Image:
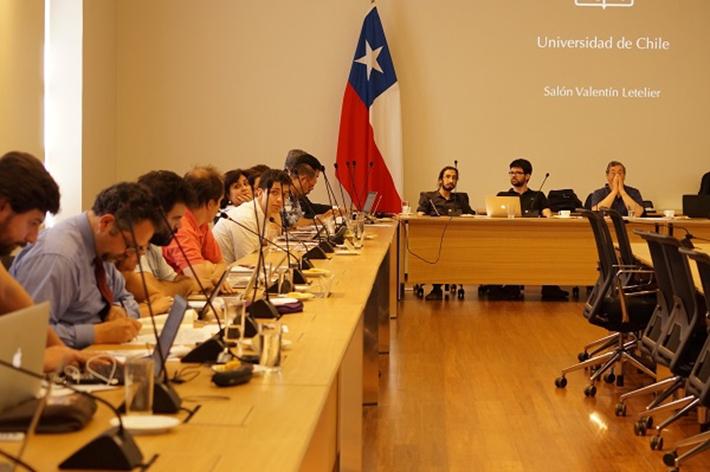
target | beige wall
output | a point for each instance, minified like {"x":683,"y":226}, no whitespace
{"x":99,"y":98}
{"x":238,"y":82}
{"x":21,"y":55}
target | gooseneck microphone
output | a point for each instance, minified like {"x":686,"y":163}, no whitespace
{"x":342,"y":192}
{"x":547,"y":174}
{"x":332,"y":197}
{"x":434,"y":207}
{"x":322,"y":237}
{"x":165,"y":398}
{"x":209,"y":350}
{"x":262,"y":308}
{"x":351,"y":174}
{"x":113,"y":449}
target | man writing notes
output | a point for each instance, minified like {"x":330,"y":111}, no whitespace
{"x":72,"y":266}
{"x":616,"y":194}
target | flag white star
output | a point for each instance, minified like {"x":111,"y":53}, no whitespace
{"x":370,"y":59}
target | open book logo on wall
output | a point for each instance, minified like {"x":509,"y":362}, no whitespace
{"x":604,"y":4}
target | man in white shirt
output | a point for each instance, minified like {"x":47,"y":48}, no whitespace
{"x":237,"y":241}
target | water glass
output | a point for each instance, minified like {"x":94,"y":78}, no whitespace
{"x":322,"y":285}
{"x":233,"y":318}
{"x":139,"y":378}
{"x":511,"y":211}
{"x":270,"y":345}
{"x":406,"y":209}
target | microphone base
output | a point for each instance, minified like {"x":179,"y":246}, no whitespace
{"x":339,"y":236}
{"x":315,"y":253}
{"x":206,"y":352}
{"x":298,"y":277}
{"x":165,"y":398}
{"x":326,"y":247}
{"x":306,"y":264}
{"x":263,"y":309}
{"x":111,"y":450}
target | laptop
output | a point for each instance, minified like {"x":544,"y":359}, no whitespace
{"x":502,"y":207}
{"x":696,"y":206}
{"x":167,"y":338}
{"x":23,"y":337}
{"x":369,"y":202}
{"x":215,"y":291}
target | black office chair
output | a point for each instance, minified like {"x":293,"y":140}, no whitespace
{"x":616,"y":306}
{"x":588,"y":202}
{"x":683,"y":339}
{"x":699,"y":378}
{"x":656,"y":328}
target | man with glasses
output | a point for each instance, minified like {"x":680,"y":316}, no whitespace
{"x":616,"y":194}
{"x":304,"y":170}
{"x":236,"y":241}
{"x":532,"y":203}
{"x":72,"y":266}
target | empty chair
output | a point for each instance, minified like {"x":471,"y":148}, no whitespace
{"x":656,"y":328}
{"x":615,"y":305}
{"x":698,"y":382}
{"x":683,"y":338}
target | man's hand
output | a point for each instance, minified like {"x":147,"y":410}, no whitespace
{"x":58,"y":356}
{"x":162,"y":304}
{"x":116,"y":331}
{"x":116,"y":313}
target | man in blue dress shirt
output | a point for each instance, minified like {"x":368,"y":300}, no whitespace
{"x":72,"y":266}
{"x":616,"y":194}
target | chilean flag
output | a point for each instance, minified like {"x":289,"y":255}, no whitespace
{"x":370,"y":141}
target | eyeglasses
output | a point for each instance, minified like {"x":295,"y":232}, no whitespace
{"x":516,"y":172}
{"x":132,"y":249}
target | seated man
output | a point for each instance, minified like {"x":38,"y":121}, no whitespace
{"x":173,"y":195}
{"x":616,"y":195}
{"x":72,"y":266}
{"x":304,"y":170}
{"x":532,"y":202}
{"x":27,"y":193}
{"x":236,"y":241}
{"x":201,"y":251}
{"x":444,"y":202}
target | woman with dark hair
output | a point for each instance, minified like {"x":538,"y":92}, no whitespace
{"x":705,"y":185}
{"x":237,"y":189}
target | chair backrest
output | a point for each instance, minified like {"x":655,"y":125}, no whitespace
{"x":699,"y":378}
{"x":661,"y":317}
{"x":622,"y":237}
{"x":606,"y":262}
{"x":686,"y":331}
{"x":588,"y":202}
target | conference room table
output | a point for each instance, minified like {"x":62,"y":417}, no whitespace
{"x":641,"y":252}
{"x":307,"y":416}
{"x":521,"y":251}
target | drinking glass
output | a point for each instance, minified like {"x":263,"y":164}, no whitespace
{"x":139,"y":378}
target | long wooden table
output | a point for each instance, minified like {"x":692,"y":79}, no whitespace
{"x":530,"y":251}
{"x":308,"y":416}
{"x":642,"y":253}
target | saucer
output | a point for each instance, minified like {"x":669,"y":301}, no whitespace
{"x":147,"y":424}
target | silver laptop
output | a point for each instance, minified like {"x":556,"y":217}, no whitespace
{"x":502,"y":207}
{"x":369,"y":202}
{"x":23,"y":337}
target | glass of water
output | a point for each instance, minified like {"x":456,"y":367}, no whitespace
{"x":139,"y":378}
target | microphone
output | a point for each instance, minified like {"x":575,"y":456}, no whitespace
{"x":332,"y":197}
{"x":434,"y":207}
{"x":113,"y":449}
{"x":539,"y":212}
{"x":340,"y":184}
{"x":209,"y":350}
{"x":368,"y":173}
{"x":456,"y":164}
{"x":351,"y":172}
{"x":165,"y":398}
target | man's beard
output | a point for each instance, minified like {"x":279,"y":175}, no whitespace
{"x":162,"y":238}
{"x":518,"y":183}
{"x":449,"y":187}
{"x":6,"y":247}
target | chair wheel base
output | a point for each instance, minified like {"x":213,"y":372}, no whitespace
{"x":656,"y":443}
{"x":620,"y":409}
{"x":590,"y":391}
{"x":561,"y":382}
{"x":669,"y":459}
